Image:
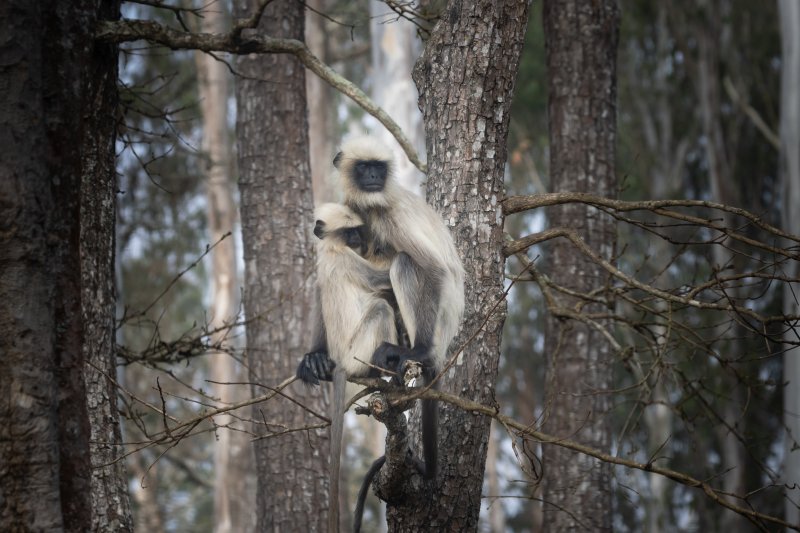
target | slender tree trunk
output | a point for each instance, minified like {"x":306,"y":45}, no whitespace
{"x":233,"y":502}
{"x":395,"y":47}
{"x":790,"y":174}
{"x":581,"y":43}
{"x":276,"y":213}
{"x":724,"y":190}
{"x":497,"y":516}
{"x":465,"y":78}
{"x":320,"y":108}
{"x":111,"y":510}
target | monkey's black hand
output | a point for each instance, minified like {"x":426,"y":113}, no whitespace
{"x":316,"y":366}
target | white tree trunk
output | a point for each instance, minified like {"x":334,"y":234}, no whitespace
{"x":789,"y":11}
{"x":395,"y":48}
{"x":320,"y":112}
{"x":232,"y":462}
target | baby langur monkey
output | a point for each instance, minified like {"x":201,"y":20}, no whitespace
{"x":357,"y":319}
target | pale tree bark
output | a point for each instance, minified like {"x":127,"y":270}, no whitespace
{"x":790,"y":174}
{"x":320,"y":108}
{"x":111,"y":510}
{"x":497,"y":516}
{"x":276,"y":214}
{"x":395,"y":48}
{"x":233,"y":502}
{"x":581,"y":43}
{"x":466,"y":79}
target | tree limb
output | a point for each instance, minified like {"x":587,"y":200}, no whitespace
{"x":235,"y":42}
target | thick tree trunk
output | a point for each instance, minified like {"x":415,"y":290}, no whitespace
{"x":581,"y":43}
{"x":111,"y":510}
{"x":465,"y":78}
{"x":44,"y":448}
{"x":790,"y":174}
{"x":233,"y":502}
{"x":276,"y":213}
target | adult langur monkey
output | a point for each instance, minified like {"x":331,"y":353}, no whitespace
{"x":357,"y":318}
{"x":426,"y":273}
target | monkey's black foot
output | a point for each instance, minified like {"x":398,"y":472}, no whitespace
{"x":316,"y":366}
{"x":389,"y":356}
{"x":394,"y":358}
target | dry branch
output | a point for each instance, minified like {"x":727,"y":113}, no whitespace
{"x":237,"y":42}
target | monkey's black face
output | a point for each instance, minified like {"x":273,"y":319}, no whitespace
{"x":353,"y":239}
{"x":370,"y":176}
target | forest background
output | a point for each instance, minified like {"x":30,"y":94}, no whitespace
{"x":686,"y":326}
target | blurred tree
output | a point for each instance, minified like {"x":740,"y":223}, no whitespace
{"x":789,"y":17}
{"x":233,"y":495}
{"x":276,"y":205}
{"x":581,"y":43}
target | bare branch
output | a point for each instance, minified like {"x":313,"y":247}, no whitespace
{"x":235,"y":43}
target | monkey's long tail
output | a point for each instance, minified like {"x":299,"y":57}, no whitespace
{"x":337,"y":428}
{"x":362,"y":492}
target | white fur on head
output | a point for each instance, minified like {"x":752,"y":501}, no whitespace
{"x":337,"y":216}
{"x":364,"y":149}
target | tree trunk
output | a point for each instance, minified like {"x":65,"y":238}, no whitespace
{"x":320,"y":107}
{"x":232,"y":450}
{"x":44,"y":447}
{"x":395,"y":47}
{"x":723,"y":190}
{"x":790,"y":174}
{"x":276,"y":213}
{"x":465,"y":78}
{"x":581,"y":43}
{"x":111,"y":510}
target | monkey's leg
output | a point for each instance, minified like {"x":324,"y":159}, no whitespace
{"x":377,"y":326}
{"x":418,"y":293}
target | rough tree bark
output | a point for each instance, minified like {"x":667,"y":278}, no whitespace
{"x":790,"y":174}
{"x":581,"y":44}
{"x":111,"y":510}
{"x":44,"y":446}
{"x":466,"y":79}
{"x":276,"y":213}
{"x":232,"y":450}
